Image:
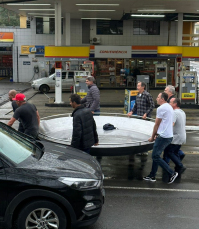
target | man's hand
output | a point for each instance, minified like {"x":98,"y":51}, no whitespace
{"x":12,"y":120}
{"x":96,"y":144}
{"x":151,"y":139}
{"x":144,"y":116}
{"x":92,"y":112}
{"x":130,"y":113}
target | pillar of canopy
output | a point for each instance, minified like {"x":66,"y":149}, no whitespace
{"x":67,"y":29}
{"x":58,"y":72}
{"x":180,"y":29}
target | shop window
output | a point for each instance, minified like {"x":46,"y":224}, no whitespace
{"x":109,"y":27}
{"x":46,"y":25}
{"x":28,"y":24}
{"x":141,"y":27}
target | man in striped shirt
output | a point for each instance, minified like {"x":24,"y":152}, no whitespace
{"x":144,"y":103}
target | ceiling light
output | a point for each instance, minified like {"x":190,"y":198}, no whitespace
{"x":157,"y":10}
{"x":94,"y":10}
{"x":145,"y":15}
{"x":26,"y":4}
{"x":39,"y":14}
{"x":189,"y":20}
{"x":96,"y":18}
{"x":186,"y":15}
{"x":38,"y":9}
{"x":97,"y":4}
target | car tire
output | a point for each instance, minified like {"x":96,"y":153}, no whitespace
{"x":31,"y":214}
{"x":44,"y":89}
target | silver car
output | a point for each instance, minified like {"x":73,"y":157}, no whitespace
{"x":47,"y":84}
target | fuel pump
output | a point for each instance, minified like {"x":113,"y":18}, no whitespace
{"x":188,"y":84}
{"x":58,"y":82}
{"x":89,"y":66}
{"x":160,"y":75}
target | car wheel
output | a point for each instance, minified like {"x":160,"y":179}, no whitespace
{"x":44,"y":89}
{"x":42,"y":215}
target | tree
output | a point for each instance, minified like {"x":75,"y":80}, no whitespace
{"x":9,"y":18}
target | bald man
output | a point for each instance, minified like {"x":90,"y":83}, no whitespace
{"x":11,"y":94}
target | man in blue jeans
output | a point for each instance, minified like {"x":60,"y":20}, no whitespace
{"x":179,"y":136}
{"x":163,"y":135}
{"x":170,"y":90}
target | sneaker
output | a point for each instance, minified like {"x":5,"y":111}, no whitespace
{"x":149,"y":178}
{"x":172,"y":178}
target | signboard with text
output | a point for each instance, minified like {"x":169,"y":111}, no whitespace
{"x":112,"y":51}
{"x":32,"y":49}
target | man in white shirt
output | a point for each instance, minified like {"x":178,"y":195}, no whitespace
{"x":163,"y":135}
{"x":179,"y":135}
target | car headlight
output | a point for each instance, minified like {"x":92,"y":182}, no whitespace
{"x":34,"y":83}
{"x":80,"y":183}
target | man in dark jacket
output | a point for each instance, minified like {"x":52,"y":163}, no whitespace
{"x":92,"y":100}
{"x":84,"y":128}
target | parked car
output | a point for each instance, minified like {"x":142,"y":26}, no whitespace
{"x":47,"y":84}
{"x":46,"y":185}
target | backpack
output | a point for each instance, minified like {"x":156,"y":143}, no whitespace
{"x":108,"y":126}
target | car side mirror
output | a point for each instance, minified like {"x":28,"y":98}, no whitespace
{"x":53,"y":78}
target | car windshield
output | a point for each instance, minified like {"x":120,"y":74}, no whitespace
{"x":14,"y":147}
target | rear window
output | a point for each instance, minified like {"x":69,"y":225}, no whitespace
{"x":70,"y":75}
{"x":63,"y":75}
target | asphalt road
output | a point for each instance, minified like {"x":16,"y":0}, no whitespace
{"x":132,"y":203}
{"x":141,"y":209}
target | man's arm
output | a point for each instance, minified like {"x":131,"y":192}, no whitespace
{"x":155,"y":129}
{"x":12,"y":120}
{"x":77,"y":133}
{"x":84,"y":100}
{"x":133,"y":110}
{"x":151,"y":102}
{"x":95,"y":133}
{"x":96,"y":98}
{"x":38,"y":117}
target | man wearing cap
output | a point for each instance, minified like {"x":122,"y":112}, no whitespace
{"x":28,"y":115}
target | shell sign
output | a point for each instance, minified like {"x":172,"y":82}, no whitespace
{"x":6,"y":37}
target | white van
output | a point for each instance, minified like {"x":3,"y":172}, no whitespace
{"x":47,"y":84}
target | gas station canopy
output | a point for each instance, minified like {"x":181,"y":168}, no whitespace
{"x":66,"y":53}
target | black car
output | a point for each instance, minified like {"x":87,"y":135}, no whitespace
{"x":46,"y":185}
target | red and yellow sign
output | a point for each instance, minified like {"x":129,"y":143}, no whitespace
{"x":188,"y":95}
{"x":6,"y":37}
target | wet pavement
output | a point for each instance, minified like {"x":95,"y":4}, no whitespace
{"x":130,"y":201}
